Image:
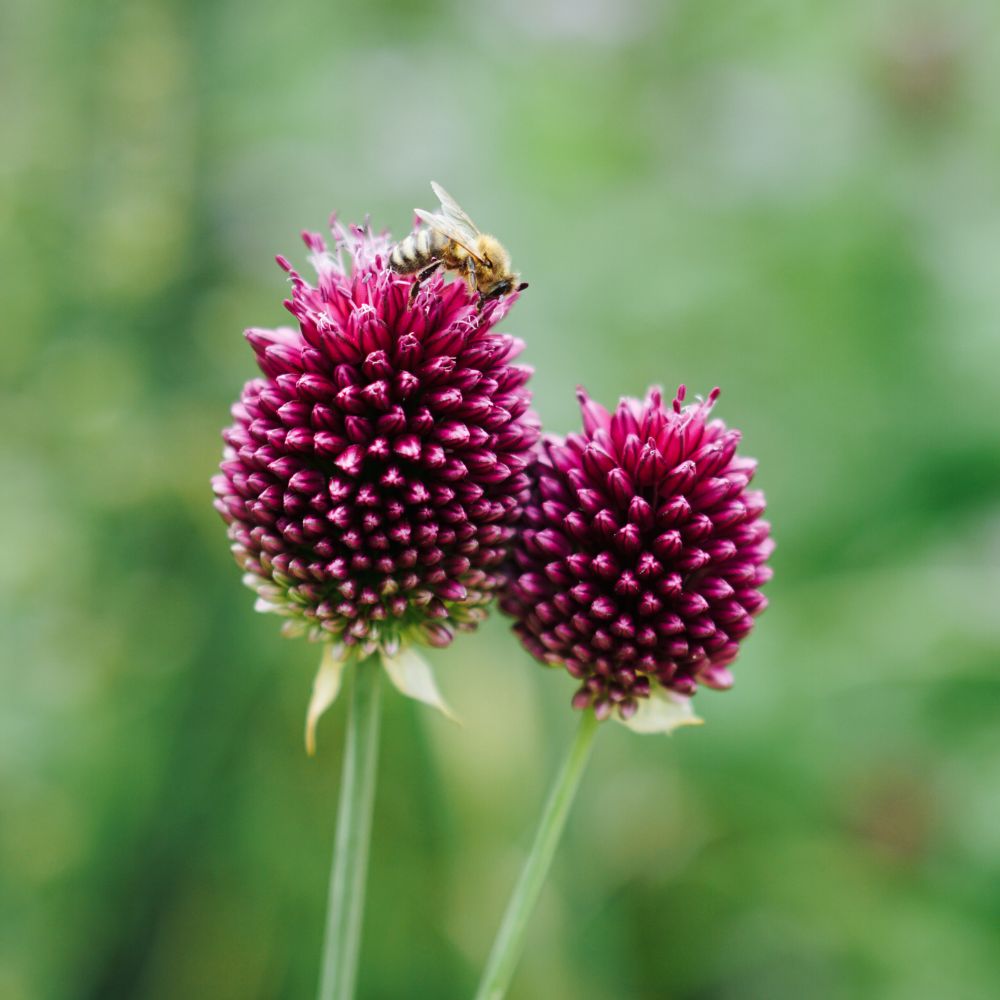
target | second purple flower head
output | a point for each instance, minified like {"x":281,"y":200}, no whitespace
{"x":641,"y":557}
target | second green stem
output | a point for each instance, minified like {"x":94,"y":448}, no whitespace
{"x":510,"y":938}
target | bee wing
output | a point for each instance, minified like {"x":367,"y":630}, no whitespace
{"x":452,"y":209}
{"x":455,"y":232}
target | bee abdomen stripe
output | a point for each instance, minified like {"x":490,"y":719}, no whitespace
{"x":403,"y":253}
{"x":436,"y":242}
{"x":417,"y":250}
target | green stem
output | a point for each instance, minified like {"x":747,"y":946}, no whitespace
{"x":354,"y":822}
{"x":510,"y":938}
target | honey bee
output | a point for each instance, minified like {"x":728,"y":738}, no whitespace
{"x":452,"y":241}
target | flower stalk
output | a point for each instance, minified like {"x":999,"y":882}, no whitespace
{"x":510,"y":938}
{"x":345,"y":907}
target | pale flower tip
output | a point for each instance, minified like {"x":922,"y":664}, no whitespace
{"x":326,"y":687}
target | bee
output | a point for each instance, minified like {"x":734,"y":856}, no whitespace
{"x":452,"y":241}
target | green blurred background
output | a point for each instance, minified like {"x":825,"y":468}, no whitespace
{"x":799,"y":202}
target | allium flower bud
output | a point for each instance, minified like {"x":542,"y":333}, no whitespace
{"x":640,"y":558}
{"x":373,"y":477}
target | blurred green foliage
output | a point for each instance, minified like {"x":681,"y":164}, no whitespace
{"x":797,"y":202}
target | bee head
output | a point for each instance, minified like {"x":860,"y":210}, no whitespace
{"x":500,"y":289}
{"x":505,"y":287}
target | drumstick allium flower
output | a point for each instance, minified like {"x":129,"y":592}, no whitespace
{"x":372,"y":481}
{"x":637,"y":568}
{"x":641,"y":557}
{"x":373,"y":478}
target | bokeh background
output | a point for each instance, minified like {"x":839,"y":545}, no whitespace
{"x":799,"y":202}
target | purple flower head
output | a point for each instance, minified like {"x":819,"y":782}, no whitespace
{"x":372,"y":478}
{"x":641,"y":554}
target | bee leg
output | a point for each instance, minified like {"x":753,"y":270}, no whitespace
{"x":422,"y":276}
{"x":470,"y":279}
